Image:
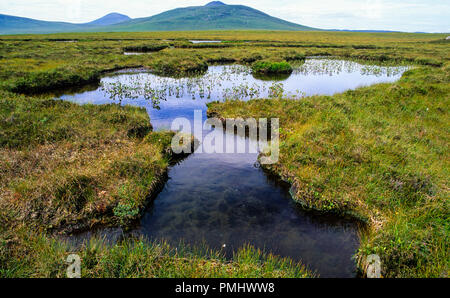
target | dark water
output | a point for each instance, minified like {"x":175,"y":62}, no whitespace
{"x":227,"y":200}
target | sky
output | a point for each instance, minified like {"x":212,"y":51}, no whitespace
{"x":397,"y":15}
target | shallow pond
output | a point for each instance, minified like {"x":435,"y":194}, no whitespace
{"x":205,"y":41}
{"x":226,"y":200}
{"x":134,"y":53}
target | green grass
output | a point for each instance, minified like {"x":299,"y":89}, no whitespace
{"x":378,"y":153}
{"x":41,"y":63}
{"x":268,"y":67}
{"x":144,"y":48}
{"x":37,"y":256}
{"x":66,"y":167}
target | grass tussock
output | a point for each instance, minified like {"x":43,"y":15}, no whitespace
{"x":39,"y":63}
{"x":179,"y":66}
{"x":268,"y":67}
{"x":145,"y":48}
{"x":67,"y":167}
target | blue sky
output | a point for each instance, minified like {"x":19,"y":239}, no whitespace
{"x":402,"y":15}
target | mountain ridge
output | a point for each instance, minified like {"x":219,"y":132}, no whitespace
{"x":110,"y":19}
{"x":215,"y":15}
{"x":215,"y":3}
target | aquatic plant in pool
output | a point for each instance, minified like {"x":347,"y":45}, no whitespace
{"x":145,"y":48}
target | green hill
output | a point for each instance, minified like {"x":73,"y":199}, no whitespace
{"x":213,"y":16}
{"x":18,"y":25}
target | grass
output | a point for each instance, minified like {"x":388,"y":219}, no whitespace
{"x":67,"y":167}
{"x":36,"y":63}
{"x":173,"y":65}
{"x":37,"y":256}
{"x":378,"y":153}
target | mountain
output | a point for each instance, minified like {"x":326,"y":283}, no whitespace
{"x":110,"y":19}
{"x":18,"y":25}
{"x":213,"y":16}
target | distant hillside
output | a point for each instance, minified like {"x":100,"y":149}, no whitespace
{"x":110,"y":19}
{"x":213,"y":16}
{"x":18,"y":25}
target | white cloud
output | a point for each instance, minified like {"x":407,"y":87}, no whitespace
{"x":404,"y":15}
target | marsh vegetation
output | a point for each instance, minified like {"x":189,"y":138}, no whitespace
{"x":378,"y":153}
